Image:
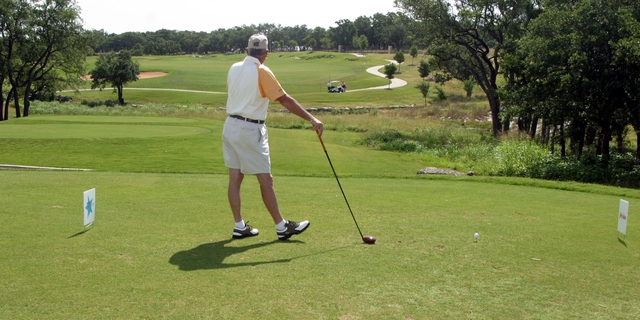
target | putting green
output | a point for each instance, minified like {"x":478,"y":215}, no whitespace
{"x":93,"y":131}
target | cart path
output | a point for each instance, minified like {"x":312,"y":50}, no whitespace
{"x":395,"y":82}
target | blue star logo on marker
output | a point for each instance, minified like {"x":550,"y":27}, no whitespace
{"x":89,"y":207}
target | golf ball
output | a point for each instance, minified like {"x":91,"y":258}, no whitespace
{"x":476,"y":235}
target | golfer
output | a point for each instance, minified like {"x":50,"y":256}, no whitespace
{"x":250,"y":86}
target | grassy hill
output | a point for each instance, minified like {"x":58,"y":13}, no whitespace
{"x":303,"y":75}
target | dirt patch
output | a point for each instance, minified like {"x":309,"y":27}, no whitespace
{"x":142,"y":75}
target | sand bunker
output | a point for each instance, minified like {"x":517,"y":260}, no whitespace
{"x":151,"y":74}
{"x":142,"y":75}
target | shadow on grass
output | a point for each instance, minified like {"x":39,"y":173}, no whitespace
{"x":622,"y":241}
{"x":79,"y":233}
{"x":209,"y":256}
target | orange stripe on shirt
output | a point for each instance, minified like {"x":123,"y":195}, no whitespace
{"x":269,"y":85}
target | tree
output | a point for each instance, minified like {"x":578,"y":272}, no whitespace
{"x":326,"y":43}
{"x":399,"y":57}
{"x":343,"y":34}
{"x":389,"y":71}
{"x":424,"y":90}
{"x":318,"y":34}
{"x":295,"y":33}
{"x":115,"y":69}
{"x":275,"y":45}
{"x":311,"y":43}
{"x":364,"y":27}
{"x":361,"y":42}
{"x":573,"y":71}
{"x":138,"y":50}
{"x":627,"y":58}
{"x":96,"y":40}
{"x":13,"y":25}
{"x":397,"y":32}
{"x":424,"y":69}
{"x":58,"y":39}
{"x":413,"y":52}
{"x":470,"y":36}
{"x":292,"y":45}
{"x":43,"y":46}
{"x":379,"y":22}
{"x":7,"y":8}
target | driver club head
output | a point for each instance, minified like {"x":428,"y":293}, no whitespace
{"x":369,"y":239}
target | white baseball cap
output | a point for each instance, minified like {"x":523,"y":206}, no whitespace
{"x":258,"y":41}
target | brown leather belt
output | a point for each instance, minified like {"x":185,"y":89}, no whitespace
{"x":235,"y":116}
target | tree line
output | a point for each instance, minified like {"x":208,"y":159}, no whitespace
{"x":378,"y":31}
{"x":568,"y":71}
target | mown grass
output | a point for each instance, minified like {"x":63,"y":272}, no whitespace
{"x":199,"y":151}
{"x":160,"y":248}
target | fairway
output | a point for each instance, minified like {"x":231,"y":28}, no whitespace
{"x":304,"y":75}
{"x":161,"y":248}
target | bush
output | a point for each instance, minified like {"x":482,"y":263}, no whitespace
{"x":520,"y":157}
{"x":621,"y":170}
{"x":441,"y":94}
{"x":93,"y":104}
{"x":468,"y":86}
{"x":440,"y":141}
{"x":513,"y":157}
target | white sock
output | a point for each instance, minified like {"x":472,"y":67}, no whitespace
{"x":280,"y":226}
{"x":240,"y":225}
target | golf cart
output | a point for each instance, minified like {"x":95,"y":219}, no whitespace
{"x":335,"y":87}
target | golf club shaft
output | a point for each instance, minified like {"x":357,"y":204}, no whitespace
{"x":339,"y":185}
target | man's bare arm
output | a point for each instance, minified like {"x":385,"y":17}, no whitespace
{"x":294,"y":107}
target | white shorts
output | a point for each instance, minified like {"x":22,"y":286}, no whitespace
{"x":245,"y":146}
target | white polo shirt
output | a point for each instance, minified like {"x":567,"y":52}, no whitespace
{"x":250,"y":86}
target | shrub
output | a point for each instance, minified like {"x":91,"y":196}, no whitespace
{"x":468,"y":86}
{"x":621,"y":170}
{"x":520,"y":157}
{"x":441,"y":94}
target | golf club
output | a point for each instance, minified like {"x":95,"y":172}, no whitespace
{"x":366,"y":239}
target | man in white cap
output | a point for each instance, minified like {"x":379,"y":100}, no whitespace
{"x":250,"y":86}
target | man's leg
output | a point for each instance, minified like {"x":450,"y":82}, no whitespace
{"x":284,"y":228}
{"x":269,"y":196}
{"x":235,"y":181}
{"x":241,"y":230}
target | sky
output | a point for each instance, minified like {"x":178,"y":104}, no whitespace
{"x":119,"y":16}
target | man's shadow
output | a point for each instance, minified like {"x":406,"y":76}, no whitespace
{"x":211,"y":256}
